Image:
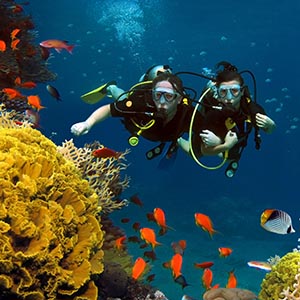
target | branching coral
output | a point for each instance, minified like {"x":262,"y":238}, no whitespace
{"x":280,"y":282}
{"x":294,"y":292}
{"x":50,"y":238}
{"x":103,"y":174}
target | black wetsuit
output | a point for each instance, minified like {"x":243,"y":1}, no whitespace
{"x":138,"y":110}
{"x":221,"y":121}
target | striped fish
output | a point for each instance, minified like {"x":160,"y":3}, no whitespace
{"x":277,"y":221}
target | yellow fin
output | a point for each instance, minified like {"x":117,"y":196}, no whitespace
{"x":97,"y":94}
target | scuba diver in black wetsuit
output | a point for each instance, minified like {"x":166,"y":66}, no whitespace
{"x":229,"y":115}
{"x":159,"y":112}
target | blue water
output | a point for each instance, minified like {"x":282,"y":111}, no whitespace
{"x":119,"y":40}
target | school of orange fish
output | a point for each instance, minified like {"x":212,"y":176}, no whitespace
{"x":13,"y":92}
{"x":147,"y":237}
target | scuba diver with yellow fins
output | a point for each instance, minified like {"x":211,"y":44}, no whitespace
{"x":110,"y":89}
{"x":157,"y":109}
{"x":228,"y":115}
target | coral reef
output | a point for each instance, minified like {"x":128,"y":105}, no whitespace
{"x":229,"y":294}
{"x":294,"y":292}
{"x":280,"y":282}
{"x":50,"y":238}
{"x":25,"y":61}
{"x":103,"y":174}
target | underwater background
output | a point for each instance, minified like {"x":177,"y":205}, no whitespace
{"x":119,"y":40}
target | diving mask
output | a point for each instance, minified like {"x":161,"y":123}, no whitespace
{"x":229,"y":91}
{"x":168,"y":94}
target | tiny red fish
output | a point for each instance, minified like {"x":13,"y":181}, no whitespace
{"x":204,"y":265}
{"x":136,"y":226}
{"x":14,"y":33}
{"x":119,"y":243}
{"x":150,"y":277}
{"x":150,"y":254}
{"x":136,"y":200}
{"x":26,"y":84}
{"x":125,"y":220}
{"x":14,"y":44}
{"x":106,"y":153}
{"x":58,"y":45}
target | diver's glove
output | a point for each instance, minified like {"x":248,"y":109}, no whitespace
{"x":209,"y":138}
{"x":81,"y":128}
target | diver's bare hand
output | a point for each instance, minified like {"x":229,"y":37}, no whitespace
{"x":209,"y":138}
{"x":230,"y":139}
{"x":80,"y":128}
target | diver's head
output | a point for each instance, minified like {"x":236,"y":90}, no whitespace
{"x":229,"y":84}
{"x":167,"y":93}
{"x":154,"y":71}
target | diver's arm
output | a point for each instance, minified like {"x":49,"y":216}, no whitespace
{"x":230,"y":140}
{"x":97,"y":116}
{"x":265,"y":123}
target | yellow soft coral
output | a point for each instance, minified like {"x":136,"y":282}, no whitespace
{"x":281,"y":278}
{"x":50,"y":238}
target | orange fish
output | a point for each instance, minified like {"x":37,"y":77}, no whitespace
{"x":205,"y":223}
{"x":2,"y":46}
{"x":176,"y":264}
{"x":58,"y":45}
{"x":27,"y":84}
{"x":35,"y":102}
{"x":14,"y":44}
{"x":12,"y":93}
{"x":160,"y":219}
{"x":119,"y":243}
{"x":138,"y":268}
{"x":14,"y":33}
{"x":232,"y":281}
{"x":224,"y":252}
{"x":207,"y":278}
{"x":148,"y":235}
{"x":204,"y":265}
{"x":106,"y":153}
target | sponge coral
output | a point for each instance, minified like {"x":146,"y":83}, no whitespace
{"x":50,"y":238}
{"x":281,"y":278}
